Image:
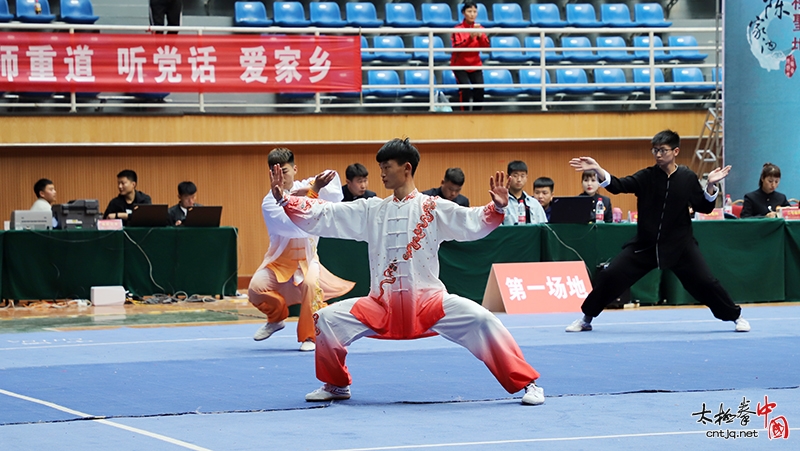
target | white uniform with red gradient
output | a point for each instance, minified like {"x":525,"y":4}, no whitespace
{"x":407,"y":300}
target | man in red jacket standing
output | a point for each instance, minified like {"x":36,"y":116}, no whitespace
{"x":474,"y":75}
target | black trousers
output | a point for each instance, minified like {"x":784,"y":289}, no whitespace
{"x":466,"y":94}
{"x":693,"y":272}
{"x":170,"y":8}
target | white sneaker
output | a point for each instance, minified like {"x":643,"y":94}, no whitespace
{"x":534,"y":395}
{"x":742,"y":325}
{"x":307,"y":346}
{"x":579,"y":326}
{"x":329,"y":392}
{"x":267,"y":330}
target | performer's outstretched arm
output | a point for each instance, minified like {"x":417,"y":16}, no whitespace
{"x":468,"y":224}
{"x":315,"y":216}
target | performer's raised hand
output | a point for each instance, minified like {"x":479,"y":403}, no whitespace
{"x":588,"y":164}
{"x":718,"y":174}
{"x":322,"y":179}
{"x":498,"y":188}
{"x":276,"y":181}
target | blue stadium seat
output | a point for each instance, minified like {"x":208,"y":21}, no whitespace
{"x":611,"y":75}
{"x":616,"y":15}
{"x":77,"y":11}
{"x":567,"y":77}
{"x":716,"y":74}
{"x":289,"y":14}
{"x":449,"y":80}
{"x":643,"y":43}
{"x":402,"y":15}
{"x":421,"y":42}
{"x":641,"y":78}
{"x":508,"y":15}
{"x":250,"y":14}
{"x":362,"y":14}
{"x":483,"y":16}
{"x":417,"y":81}
{"x":546,"y":15}
{"x":437,"y":15}
{"x":325,"y":14}
{"x":578,"y":56}
{"x":366,"y":56}
{"x":615,"y":52}
{"x":683,"y":75}
{"x":582,"y":15}
{"x":534,"y":77}
{"x":5,"y":15}
{"x":26,"y":12}
{"x":676,"y":53}
{"x":390,"y":42}
{"x":534,"y":44}
{"x":507,"y":56}
{"x":499,"y":77}
{"x":382,"y":77}
{"x":650,"y":15}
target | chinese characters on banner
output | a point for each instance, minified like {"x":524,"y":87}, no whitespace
{"x":90,"y":62}
{"x":776,"y":425}
{"x":537,"y":287}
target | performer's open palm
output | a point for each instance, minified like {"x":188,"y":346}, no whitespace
{"x":276,"y":181}
{"x":498,"y":188}
{"x":322,"y":179}
{"x":584,"y":164}
{"x":718,"y":174}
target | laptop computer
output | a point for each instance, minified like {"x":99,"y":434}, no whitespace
{"x":571,"y":210}
{"x":202,"y":216}
{"x":154,"y":215}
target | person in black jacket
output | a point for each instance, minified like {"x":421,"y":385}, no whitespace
{"x":450,"y":188}
{"x":664,"y":238}
{"x":357,"y":178}
{"x":121,"y":206}
{"x":765,"y":201}
{"x":187,"y":193}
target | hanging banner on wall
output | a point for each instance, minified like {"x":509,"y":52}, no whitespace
{"x":761,"y":92}
{"x":92,"y":62}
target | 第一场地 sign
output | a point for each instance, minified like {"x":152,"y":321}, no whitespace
{"x":544,"y":287}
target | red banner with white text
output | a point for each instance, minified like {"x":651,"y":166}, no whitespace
{"x":92,"y":62}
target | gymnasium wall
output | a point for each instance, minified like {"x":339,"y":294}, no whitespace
{"x":226,"y":155}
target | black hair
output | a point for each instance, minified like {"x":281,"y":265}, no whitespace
{"x":454,"y":176}
{"x":280,"y":156}
{"x":667,"y":137}
{"x":544,"y":182}
{"x":589,"y":173}
{"x":128,"y":174}
{"x":41,"y":185}
{"x":516,"y":166}
{"x":769,"y":170}
{"x":468,"y":4}
{"x":355,"y":170}
{"x":186,"y":188}
{"x":401,"y":151}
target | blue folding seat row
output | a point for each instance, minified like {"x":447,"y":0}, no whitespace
{"x":404,"y":15}
{"x":576,"y":49}
{"x":500,"y":82}
{"x":72,"y":11}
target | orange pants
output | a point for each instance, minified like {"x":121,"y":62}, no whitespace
{"x":273,"y":298}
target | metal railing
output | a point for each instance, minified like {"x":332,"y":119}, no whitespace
{"x":538,"y":96}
